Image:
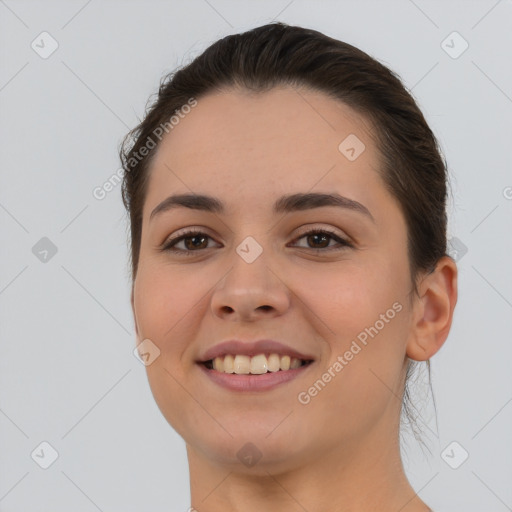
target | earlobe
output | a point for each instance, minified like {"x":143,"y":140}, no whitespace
{"x":433,"y":311}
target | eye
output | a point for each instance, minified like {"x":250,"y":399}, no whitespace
{"x":196,"y":237}
{"x":319,"y":236}
{"x":195,"y":240}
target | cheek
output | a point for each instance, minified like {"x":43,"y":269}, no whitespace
{"x":165,"y":303}
{"x":365,"y":312}
{"x":163,"y":298}
{"x":349,"y":297}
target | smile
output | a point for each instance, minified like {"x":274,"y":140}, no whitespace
{"x":255,"y":365}
{"x":257,"y":373}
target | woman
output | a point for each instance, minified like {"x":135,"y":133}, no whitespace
{"x":287,"y":202}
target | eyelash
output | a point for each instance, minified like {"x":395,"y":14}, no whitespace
{"x":169,"y":247}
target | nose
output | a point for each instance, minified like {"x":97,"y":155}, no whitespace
{"x":250,"y":291}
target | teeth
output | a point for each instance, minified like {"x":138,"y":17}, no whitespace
{"x":256,"y":365}
{"x":295,"y":363}
{"x":242,"y":364}
{"x":273,"y":362}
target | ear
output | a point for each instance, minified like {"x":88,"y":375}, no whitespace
{"x":433,"y":311}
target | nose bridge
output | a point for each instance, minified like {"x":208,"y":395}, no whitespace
{"x":250,"y":265}
{"x":251,"y":235}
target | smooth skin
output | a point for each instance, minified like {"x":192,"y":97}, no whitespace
{"x":340,"y":452}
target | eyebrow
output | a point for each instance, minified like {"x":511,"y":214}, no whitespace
{"x":285,"y":204}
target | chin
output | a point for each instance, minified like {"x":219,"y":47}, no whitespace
{"x":250,"y":451}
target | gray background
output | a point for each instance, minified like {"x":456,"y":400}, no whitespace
{"x":67,"y":372}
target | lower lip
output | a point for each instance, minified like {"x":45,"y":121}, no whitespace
{"x":246,"y":382}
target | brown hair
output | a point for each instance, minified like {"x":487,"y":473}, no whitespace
{"x":413,"y":168}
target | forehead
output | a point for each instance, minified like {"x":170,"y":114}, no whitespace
{"x":305,"y":123}
{"x":248,"y":146}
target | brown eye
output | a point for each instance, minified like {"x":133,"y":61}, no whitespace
{"x":321,"y":237}
{"x":193,"y":241}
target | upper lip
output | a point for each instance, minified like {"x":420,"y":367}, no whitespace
{"x":251,"y":348}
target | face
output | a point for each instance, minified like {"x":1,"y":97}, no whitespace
{"x":340,"y":297}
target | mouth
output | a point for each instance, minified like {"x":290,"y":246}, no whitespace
{"x":259,"y":364}
{"x":259,"y":373}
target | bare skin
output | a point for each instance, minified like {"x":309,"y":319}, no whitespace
{"x":340,"y":451}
